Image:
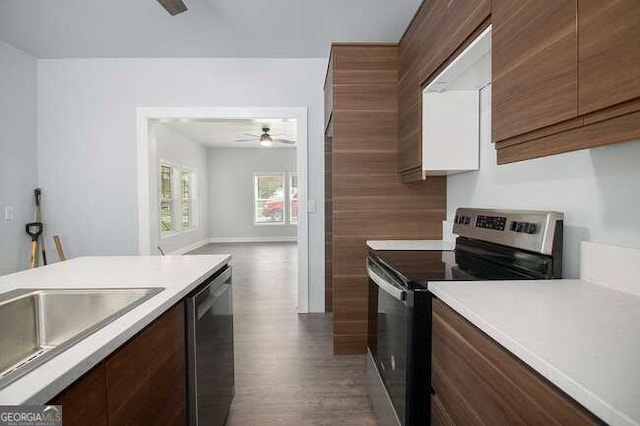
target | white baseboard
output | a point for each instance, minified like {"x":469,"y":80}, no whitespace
{"x":201,"y":243}
{"x":254,"y":240}
{"x":190,"y":247}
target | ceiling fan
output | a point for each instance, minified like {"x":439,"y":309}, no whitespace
{"x":173,"y":6}
{"x":266,"y":139}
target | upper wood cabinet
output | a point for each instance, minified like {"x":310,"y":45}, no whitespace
{"x":535,"y":73}
{"x":566,"y":75}
{"x":437,"y":32}
{"x":609,"y":53}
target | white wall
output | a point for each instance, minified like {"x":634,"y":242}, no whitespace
{"x":231,"y":191}
{"x":179,"y":150}
{"x":17,"y":155}
{"x":598,"y":190}
{"x":87,"y":136}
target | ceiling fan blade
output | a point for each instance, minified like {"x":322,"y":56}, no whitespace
{"x":174,"y":7}
{"x":285,"y":141}
{"x":251,"y":135}
{"x":247,"y":140}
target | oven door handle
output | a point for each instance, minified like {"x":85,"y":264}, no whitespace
{"x":389,"y":288}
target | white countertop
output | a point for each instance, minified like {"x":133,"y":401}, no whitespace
{"x":583,"y":337}
{"x":410,"y":245}
{"x":178,"y":274}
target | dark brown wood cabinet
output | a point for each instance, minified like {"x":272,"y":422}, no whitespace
{"x":566,"y":76}
{"x":478,"y":382}
{"x":534,"y":67}
{"x":146,"y":378}
{"x":142,"y":383}
{"x":85,"y":402}
{"x":438,"y":31}
{"x":365,"y":197}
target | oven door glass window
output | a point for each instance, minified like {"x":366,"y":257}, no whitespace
{"x":392,"y":338}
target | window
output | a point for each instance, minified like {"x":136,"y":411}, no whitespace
{"x":269,"y":198}
{"x":293,"y":197}
{"x":166,"y":198}
{"x":186,"y":199}
{"x":177,"y":199}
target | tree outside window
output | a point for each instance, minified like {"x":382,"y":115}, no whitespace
{"x":269,"y":198}
{"x":177,"y":199}
{"x":186,"y":199}
{"x":166,"y":199}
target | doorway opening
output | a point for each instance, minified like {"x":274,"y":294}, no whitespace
{"x":224,"y":176}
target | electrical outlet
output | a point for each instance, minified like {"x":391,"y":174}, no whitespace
{"x":8,"y":213}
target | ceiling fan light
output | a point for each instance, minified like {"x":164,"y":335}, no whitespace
{"x":266,"y":140}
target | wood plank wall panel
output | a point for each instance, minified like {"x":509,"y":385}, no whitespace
{"x":438,"y":30}
{"x":328,"y":221}
{"x":369,"y":200}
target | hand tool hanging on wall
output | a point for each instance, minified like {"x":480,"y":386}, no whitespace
{"x":38,"y":193}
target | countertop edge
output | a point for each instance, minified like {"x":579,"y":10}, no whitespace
{"x":76,"y":371}
{"x":591,"y":402}
{"x":410,"y":245}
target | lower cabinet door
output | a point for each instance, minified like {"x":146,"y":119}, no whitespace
{"x":142,"y":383}
{"x":479,"y":382}
{"x":146,"y":378}
{"x":85,"y":401}
{"x":439,"y":415}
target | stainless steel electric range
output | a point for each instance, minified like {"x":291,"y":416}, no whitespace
{"x":491,"y":245}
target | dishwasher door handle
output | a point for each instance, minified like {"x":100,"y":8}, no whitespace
{"x":207,"y":303}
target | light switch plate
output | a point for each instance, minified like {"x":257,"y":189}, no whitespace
{"x":311,"y":206}
{"x":8,"y":213}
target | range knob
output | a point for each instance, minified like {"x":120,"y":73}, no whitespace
{"x":530,"y":228}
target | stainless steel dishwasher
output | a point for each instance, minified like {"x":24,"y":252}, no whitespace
{"x":210,"y":350}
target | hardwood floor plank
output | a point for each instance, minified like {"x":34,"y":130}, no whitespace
{"x":285,"y":370}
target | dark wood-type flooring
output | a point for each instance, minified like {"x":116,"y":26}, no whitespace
{"x":285,"y":370}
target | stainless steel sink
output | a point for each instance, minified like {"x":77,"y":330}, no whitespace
{"x":38,"y":324}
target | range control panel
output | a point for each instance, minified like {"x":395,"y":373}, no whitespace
{"x":491,"y":222}
{"x":529,"y":230}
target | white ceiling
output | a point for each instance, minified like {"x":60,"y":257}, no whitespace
{"x":223,"y":133}
{"x":210,"y":28}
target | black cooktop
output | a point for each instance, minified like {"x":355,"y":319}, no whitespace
{"x":415,"y":268}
